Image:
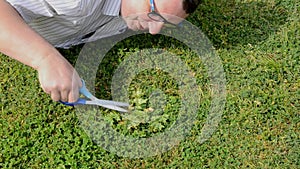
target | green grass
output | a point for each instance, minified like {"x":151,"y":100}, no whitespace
{"x":258,"y":42}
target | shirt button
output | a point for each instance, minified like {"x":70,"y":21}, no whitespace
{"x":75,"y":22}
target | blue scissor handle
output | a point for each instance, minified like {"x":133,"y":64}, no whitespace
{"x":83,"y":90}
{"x":80,"y":101}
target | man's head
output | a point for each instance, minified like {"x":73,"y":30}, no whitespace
{"x":135,"y":13}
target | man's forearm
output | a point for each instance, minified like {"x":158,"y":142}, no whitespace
{"x":19,"y":41}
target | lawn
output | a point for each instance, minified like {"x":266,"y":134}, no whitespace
{"x":258,"y":43}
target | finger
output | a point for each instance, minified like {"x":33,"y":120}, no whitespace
{"x":73,"y":95}
{"x":55,"y":95}
{"x":155,"y":27}
{"x":76,"y":85}
{"x":64,"y":95}
{"x":133,"y":25}
{"x":46,"y":90}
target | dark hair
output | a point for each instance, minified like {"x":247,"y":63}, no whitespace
{"x":190,"y":5}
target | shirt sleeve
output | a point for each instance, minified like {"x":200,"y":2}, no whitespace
{"x":31,"y":9}
{"x":112,"y":7}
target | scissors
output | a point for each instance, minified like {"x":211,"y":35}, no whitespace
{"x":118,"y":106}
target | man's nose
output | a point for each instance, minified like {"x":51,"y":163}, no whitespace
{"x":155,"y":27}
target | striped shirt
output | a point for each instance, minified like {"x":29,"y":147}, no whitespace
{"x":68,"y":22}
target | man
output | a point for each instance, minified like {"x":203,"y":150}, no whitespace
{"x":31,"y":29}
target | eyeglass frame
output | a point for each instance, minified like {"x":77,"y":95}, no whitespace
{"x":164,"y":20}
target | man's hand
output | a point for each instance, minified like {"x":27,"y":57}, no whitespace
{"x":59,"y":79}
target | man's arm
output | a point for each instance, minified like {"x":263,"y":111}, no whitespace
{"x":17,"y":40}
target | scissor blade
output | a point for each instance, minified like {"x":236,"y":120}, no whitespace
{"x":110,"y":102}
{"x":113,"y":107}
{"x":109,"y":106}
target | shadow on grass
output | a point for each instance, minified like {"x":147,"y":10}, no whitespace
{"x":229,"y":23}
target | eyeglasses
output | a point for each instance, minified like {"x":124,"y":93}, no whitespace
{"x":158,"y":17}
